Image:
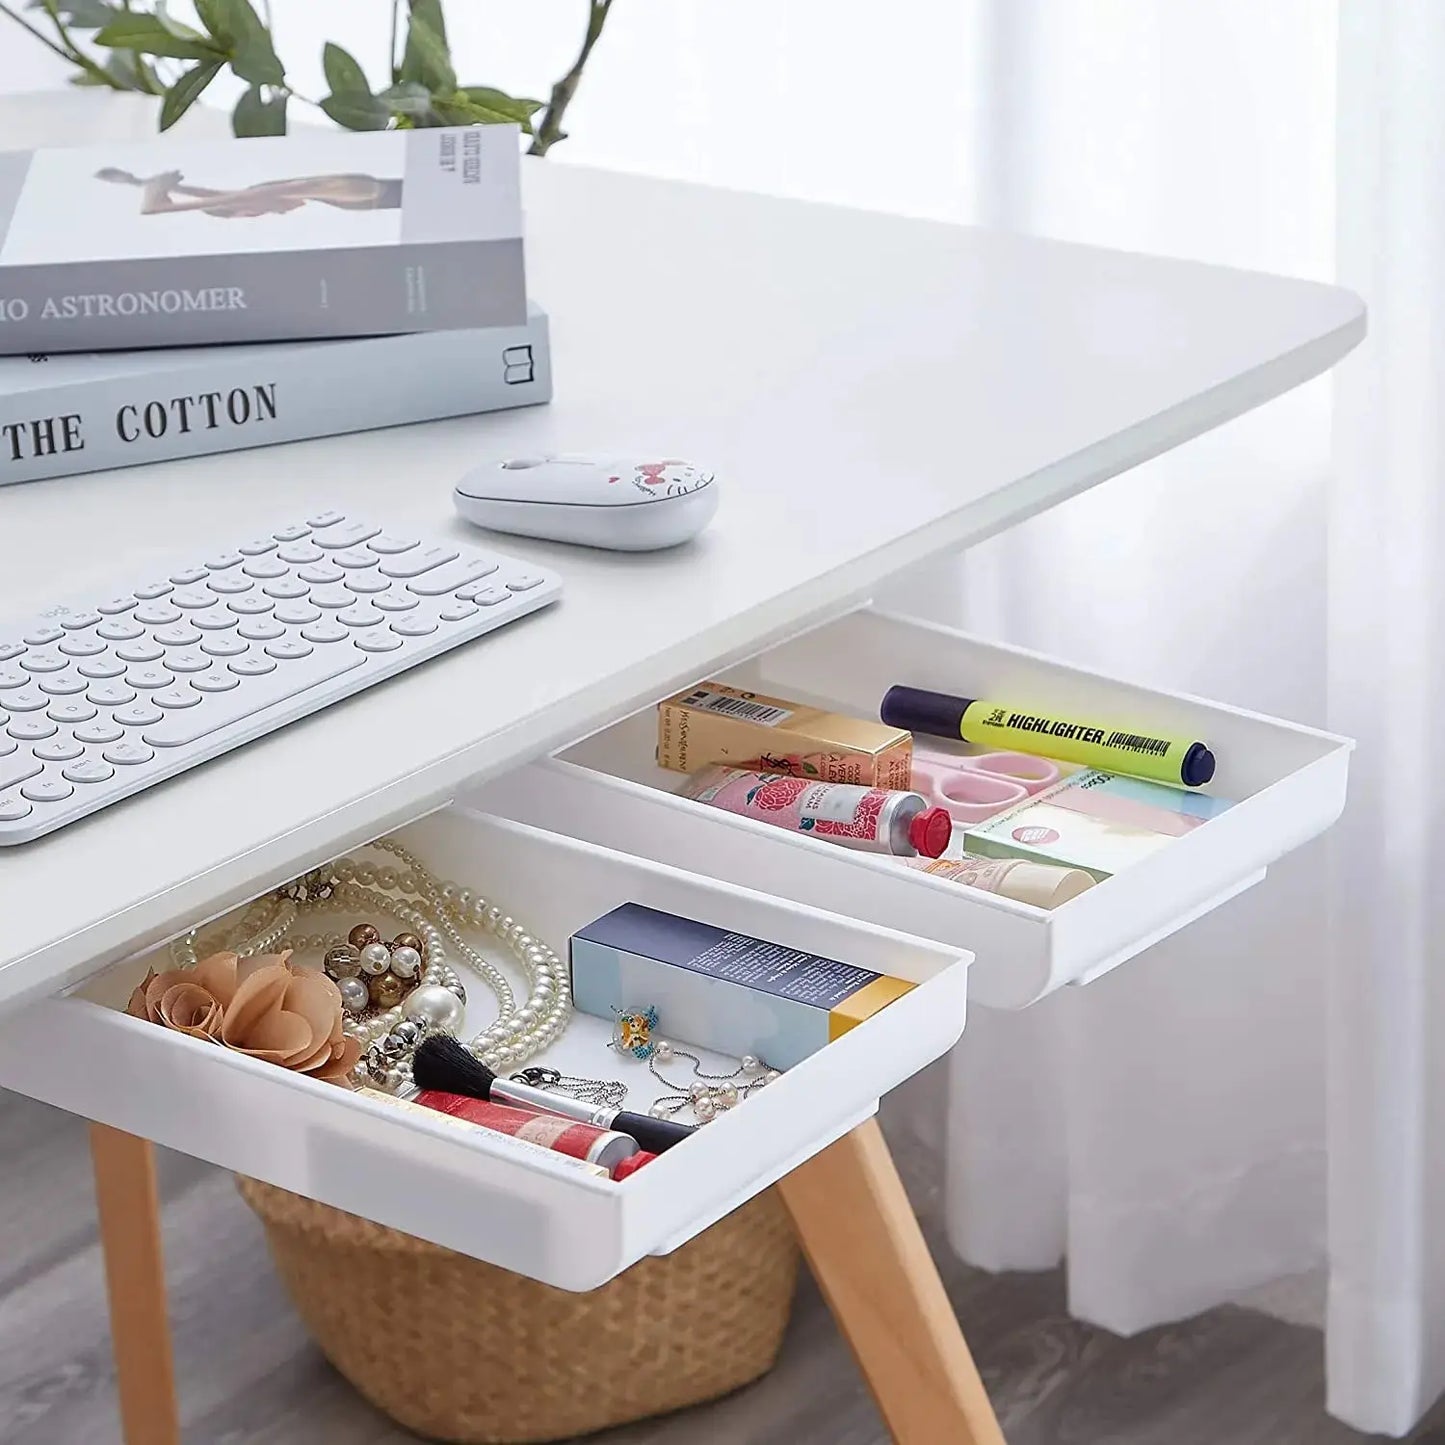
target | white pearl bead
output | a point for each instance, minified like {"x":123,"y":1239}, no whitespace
{"x":662,"y":1051}
{"x":751,"y":1064}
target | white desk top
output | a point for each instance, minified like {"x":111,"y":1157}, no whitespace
{"x":872,"y":391}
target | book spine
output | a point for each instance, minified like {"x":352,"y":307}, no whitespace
{"x":214,"y":401}
{"x":262,"y":296}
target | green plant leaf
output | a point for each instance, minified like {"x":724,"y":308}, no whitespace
{"x":427,"y":57}
{"x":255,"y":115}
{"x":176,"y":27}
{"x":459,"y":109}
{"x":343,"y":73}
{"x":81,"y":14}
{"x":408,"y":98}
{"x":146,"y":34}
{"x":255,"y":61}
{"x":186,"y":91}
{"x":358,"y":110}
{"x":514,"y":107}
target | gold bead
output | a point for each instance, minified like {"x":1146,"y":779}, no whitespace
{"x":387,"y":990}
{"x":407,"y":940}
{"x":363,"y":934}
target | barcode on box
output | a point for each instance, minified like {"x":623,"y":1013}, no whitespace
{"x":759,"y":712}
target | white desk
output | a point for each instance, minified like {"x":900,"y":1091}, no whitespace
{"x":873,"y":392}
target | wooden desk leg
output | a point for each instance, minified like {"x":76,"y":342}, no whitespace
{"x":130,"y":1239}
{"x":868,"y":1254}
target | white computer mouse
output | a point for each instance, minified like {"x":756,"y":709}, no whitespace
{"x":627,"y":506}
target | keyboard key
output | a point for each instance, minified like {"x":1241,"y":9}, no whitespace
{"x":414,"y":563}
{"x":31,"y":729}
{"x":100,"y":667}
{"x":148,"y":677}
{"x":193,"y":599}
{"x":224,"y":646}
{"x":319,"y":573}
{"x":469,"y":592}
{"x":63,"y":684}
{"x":441,"y":580}
{"x":7,"y":746}
{"x":213,"y":621}
{"x":289,"y":649}
{"x":524,"y":582}
{"x":12,"y":810}
{"x":458,"y":611}
{"x":110,"y":694}
{"x":123,"y":631}
{"x":76,"y":711}
{"x":354,"y":559}
{"x":299,"y":553}
{"x":489,"y":596}
{"x":87,"y":646}
{"x":12,"y":677}
{"x":251,"y":605}
{"x":378,"y":641}
{"x":291,"y":534}
{"x":174,"y":698}
{"x":44,"y":659}
{"x":17,"y":769}
{"x":327,"y":631}
{"x":365,"y":582}
{"x":253,"y":666}
{"x":47,"y":790}
{"x":189,"y":576}
{"x":360,"y":615}
{"x":80,"y":621}
{"x":394,"y":601}
{"x":229,"y":584}
{"x":187,"y":661}
{"x":215,"y":681}
{"x":334,"y":597}
{"x":223,"y":561}
{"x":155,"y":614}
{"x":414,"y":626}
{"x":220,"y":712}
{"x":264,"y":567}
{"x":10,"y":650}
{"x":345,"y":534}
{"x":261,"y":629}
{"x":286,"y":589}
{"x":257,"y":548}
{"x":99,"y":731}
{"x":296,"y":614}
{"x":43,"y":635}
{"x":27,"y":699}
{"x":116,"y":605}
{"x":179,"y":634}
{"x":138,"y":715}
{"x":326,"y":519}
{"x":388,"y":546}
{"x":92,"y":770}
{"x":148,"y":590}
{"x":143,"y":651}
{"x":59,"y":749}
{"x":128,"y":755}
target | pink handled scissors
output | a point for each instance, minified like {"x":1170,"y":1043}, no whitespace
{"x":975,"y":787}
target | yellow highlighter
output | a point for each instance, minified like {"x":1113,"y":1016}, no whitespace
{"x":1109,"y":746}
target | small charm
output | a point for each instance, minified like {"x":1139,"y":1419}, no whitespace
{"x":632,"y":1033}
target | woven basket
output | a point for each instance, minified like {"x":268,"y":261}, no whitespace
{"x":494,"y":1357}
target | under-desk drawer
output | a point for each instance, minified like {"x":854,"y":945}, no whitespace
{"x":470,"y":1189}
{"x":1287,"y":783}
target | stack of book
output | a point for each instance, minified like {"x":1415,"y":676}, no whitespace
{"x":180,"y":298}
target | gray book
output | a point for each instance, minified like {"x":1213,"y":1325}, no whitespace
{"x":185,"y":243}
{"x":60,"y":415}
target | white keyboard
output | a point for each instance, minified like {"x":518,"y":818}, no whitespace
{"x":102,"y":699}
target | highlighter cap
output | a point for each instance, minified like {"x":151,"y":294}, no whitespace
{"x":930,"y":831}
{"x":915,"y":710}
{"x":1197,"y":767}
{"x":624,"y":1167}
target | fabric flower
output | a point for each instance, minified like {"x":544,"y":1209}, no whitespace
{"x":264,"y":1006}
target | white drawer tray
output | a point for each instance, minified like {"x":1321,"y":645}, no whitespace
{"x":477,"y":1192}
{"x":1287,"y":782}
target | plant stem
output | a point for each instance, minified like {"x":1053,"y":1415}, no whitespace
{"x":64,"y":47}
{"x":40,"y":35}
{"x":550,"y":131}
{"x":391,"y":53}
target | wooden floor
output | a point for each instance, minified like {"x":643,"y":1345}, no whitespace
{"x":249,"y":1376}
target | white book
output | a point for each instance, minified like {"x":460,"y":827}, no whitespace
{"x":60,"y":415}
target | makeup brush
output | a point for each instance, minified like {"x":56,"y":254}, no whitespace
{"x":442,"y":1063}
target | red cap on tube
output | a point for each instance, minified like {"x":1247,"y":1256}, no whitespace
{"x":930,"y":831}
{"x":631,"y":1164}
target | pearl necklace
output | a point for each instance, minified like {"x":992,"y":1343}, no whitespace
{"x":436,"y":912}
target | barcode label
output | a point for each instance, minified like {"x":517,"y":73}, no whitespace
{"x":759,"y":712}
